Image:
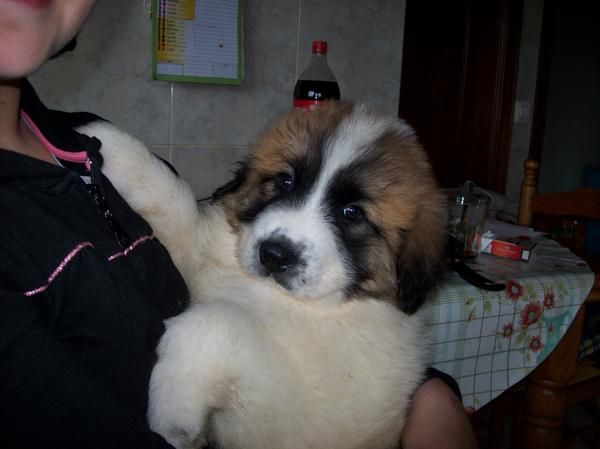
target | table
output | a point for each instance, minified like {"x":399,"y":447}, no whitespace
{"x":489,"y":341}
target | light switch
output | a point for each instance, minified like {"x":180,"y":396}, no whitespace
{"x":522,"y":112}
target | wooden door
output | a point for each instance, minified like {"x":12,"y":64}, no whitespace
{"x":459,"y":69}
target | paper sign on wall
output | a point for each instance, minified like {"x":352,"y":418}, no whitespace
{"x":198,"y":41}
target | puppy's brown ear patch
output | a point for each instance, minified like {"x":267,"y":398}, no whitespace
{"x":239,"y":176}
{"x":422,"y":260}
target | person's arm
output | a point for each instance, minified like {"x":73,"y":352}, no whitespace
{"x":437,"y":419}
{"x":49,"y":400}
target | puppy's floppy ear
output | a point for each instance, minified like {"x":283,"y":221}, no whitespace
{"x":421,"y":260}
{"x":239,"y":176}
{"x":415,"y":279}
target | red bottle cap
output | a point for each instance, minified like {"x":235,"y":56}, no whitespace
{"x":319,"y":47}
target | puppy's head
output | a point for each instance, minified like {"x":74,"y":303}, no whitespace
{"x":339,"y":203}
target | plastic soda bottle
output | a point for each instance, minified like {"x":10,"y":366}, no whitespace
{"x":317,"y":83}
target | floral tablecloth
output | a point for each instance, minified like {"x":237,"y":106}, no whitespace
{"x":488,"y":341}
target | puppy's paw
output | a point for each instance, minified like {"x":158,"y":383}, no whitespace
{"x":172,"y":419}
{"x":127,"y":163}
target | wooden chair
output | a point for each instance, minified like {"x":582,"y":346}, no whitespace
{"x":564,"y":379}
{"x":562,"y":214}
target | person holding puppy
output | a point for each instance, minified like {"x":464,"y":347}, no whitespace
{"x":84,"y":286}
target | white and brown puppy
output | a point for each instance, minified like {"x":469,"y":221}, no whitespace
{"x":305,"y":275}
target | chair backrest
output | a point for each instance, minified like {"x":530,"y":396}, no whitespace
{"x":528,"y":191}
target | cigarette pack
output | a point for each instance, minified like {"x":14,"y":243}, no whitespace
{"x":517,"y":248}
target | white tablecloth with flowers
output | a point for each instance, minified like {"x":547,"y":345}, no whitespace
{"x":488,"y":341}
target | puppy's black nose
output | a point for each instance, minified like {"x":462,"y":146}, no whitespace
{"x":277,"y":257}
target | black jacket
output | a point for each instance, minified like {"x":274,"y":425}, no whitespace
{"x":80,"y":314}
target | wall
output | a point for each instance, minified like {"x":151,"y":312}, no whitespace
{"x":526,"y":82}
{"x":204,"y":129}
{"x":572,"y":134}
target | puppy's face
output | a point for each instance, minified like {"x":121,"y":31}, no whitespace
{"x":339,"y":203}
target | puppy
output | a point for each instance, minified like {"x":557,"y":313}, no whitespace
{"x":305,"y":273}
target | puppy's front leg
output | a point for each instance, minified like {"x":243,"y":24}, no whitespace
{"x":181,"y":388}
{"x":203,"y":358}
{"x":150,"y":188}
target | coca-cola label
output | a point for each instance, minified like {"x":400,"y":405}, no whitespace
{"x":306,"y":104}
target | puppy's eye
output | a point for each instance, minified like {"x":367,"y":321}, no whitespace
{"x":285,"y":182}
{"x":352,"y":212}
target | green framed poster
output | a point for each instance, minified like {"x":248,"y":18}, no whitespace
{"x":198,"y":41}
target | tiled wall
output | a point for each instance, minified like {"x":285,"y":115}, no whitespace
{"x":204,"y":129}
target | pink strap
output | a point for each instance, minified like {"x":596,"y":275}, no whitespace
{"x":79,"y":157}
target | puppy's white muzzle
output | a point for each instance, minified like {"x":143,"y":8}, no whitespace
{"x":297,"y":249}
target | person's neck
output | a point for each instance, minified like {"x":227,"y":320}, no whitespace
{"x":14,"y":133}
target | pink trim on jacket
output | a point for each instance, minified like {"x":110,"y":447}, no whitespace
{"x":130,"y":248}
{"x":61,"y":266}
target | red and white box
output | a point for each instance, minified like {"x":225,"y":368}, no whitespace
{"x":517,"y":248}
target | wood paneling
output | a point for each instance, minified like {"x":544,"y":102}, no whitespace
{"x":458,"y":82}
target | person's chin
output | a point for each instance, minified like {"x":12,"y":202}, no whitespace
{"x":21,"y":63}
{"x":36,"y":4}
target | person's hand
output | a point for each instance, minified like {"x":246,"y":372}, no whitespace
{"x":437,"y":420}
